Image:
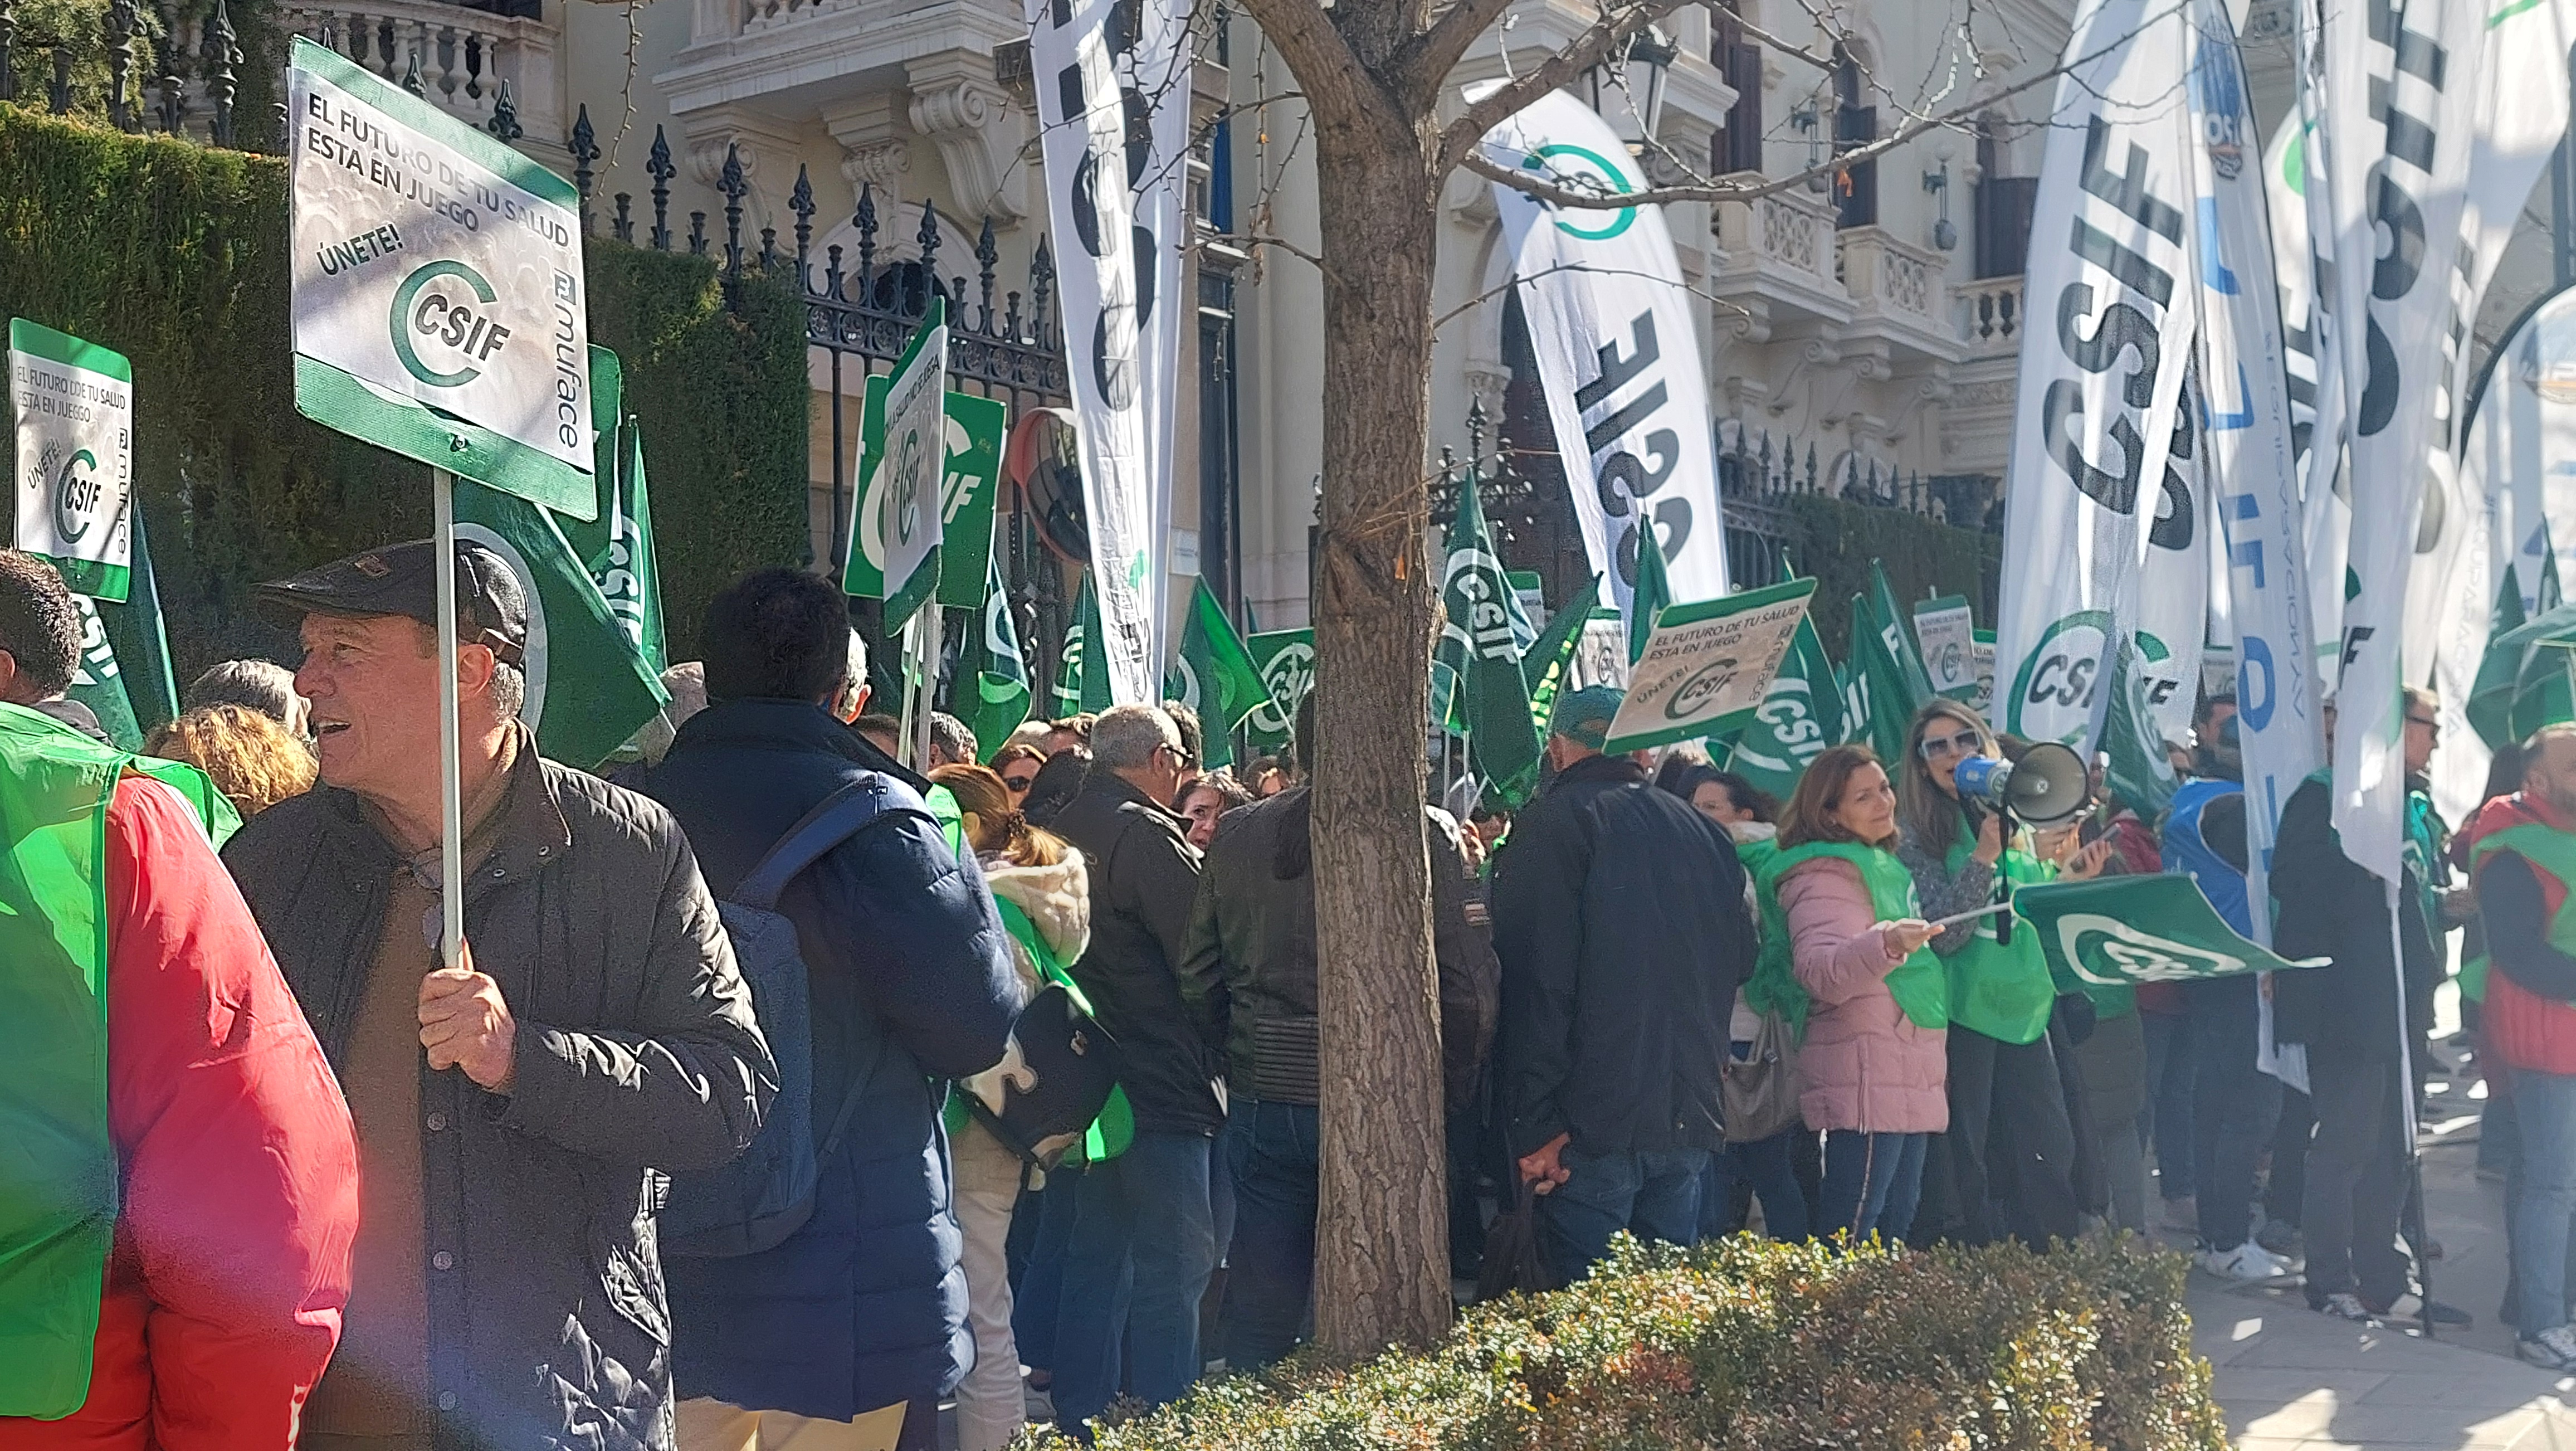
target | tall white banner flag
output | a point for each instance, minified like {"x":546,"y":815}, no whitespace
{"x":2101,"y":368}
{"x":2316,"y":384}
{"x":1618,"y":352}
{"x":2248,"y":448}
{"x":2521,"y":102}
{"x":2396,"y":98}
{"x":1116,"y":209}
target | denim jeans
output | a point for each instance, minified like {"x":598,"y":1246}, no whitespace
{"x":1768,"y":1164}
{"x":1652,"y":1194}
{"x":2235,"y":1105}
{"x":1270,"y":1153}
{"x":1143,"y":1245}
{"x":2166,"y":1122}
{"x":2545,"y":1108}
{"x":1039,"y":1294}
{"x":1872,"y":1183}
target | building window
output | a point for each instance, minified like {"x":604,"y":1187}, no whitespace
{"x":1737,"y":145}
{"x":2003,"y":208}
{"x":1855,"y":124}
{"x":1220,"y":490}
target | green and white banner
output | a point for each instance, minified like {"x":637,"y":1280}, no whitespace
{"x":75,"y":412}
{"x":1481,"y":610}
{"x":1799,"y":717}
{"x":439,"y":308}
{"x":1708,"y":666}
{"x":1286,"y":660}
{"x":100,"y":685}
{"x":916,"y":434}
{"x":617,"y":546}
{"x":1548,"y":665}
{"x":589,"y":689}
{"x":991,"y":689}
{"x":977,"y":428}
{"x":2122,"y":931}
{"x":1879,"y":692}
{"x":1081,"y":679}
{"x":1213,"y":674}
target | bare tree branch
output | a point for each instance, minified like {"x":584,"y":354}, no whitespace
{"x":1579,"y":55}
{"x":1420,"y":67}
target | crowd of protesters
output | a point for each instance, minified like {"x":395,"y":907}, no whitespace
{"x":716,"y":1133}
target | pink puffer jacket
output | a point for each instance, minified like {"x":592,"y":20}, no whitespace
{"x":1863,"y":1065}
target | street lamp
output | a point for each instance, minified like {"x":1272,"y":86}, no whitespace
{"x":1610,"y":74}
{"x":1804,"y":120}
{"x":1944,"y":235}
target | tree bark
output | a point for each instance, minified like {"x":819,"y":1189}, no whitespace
{"x":1382,"y":1252}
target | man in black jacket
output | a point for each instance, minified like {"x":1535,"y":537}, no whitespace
{"x":512,"y":1111}
{"x":1252,"y":944}
{"x":2354,"y":1019}
{"x":1144,"y":1237}
{"x":1619,"y":916}
{"x":862,"y":1311}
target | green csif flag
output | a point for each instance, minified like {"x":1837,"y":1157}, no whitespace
{"x":1480,"y":607}
{"x":1879,"y":697}
{"x":1800,"y":716}
{"x":2121,"y":931}
{"x":1081,"y":684}
{"x":2136,"y":769}
{"x":588,"y":687}
{"x":2549,"y":596}
{"x":1214,"y":675}
{"x":1550,"y":658}
{"x":991,"y":689}
{"x":617,"y":547}
{"x":1286,"y":660}
{"x":1654,"y":592}
{"x":1480,"y":651}
{"x":99,"y":684}
{"x":1896,"y":631}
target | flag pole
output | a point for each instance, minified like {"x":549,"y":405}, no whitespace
{"x":451,"y":809}
{"x":928,"y":620}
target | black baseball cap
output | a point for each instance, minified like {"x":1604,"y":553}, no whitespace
{"x":402,"y":579}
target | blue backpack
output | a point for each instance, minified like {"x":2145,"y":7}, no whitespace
{"x":758,"y":1200}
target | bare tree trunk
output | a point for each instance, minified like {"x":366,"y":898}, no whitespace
{"x":1382,"y":1251}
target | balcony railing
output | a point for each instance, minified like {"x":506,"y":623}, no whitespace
{"x":1990,"y":317}
{"x":462,"y":60}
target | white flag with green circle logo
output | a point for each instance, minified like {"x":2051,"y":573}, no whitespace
{"x":75,"y":413}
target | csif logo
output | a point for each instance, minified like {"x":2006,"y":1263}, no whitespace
{"x":2052,"y":697}
{"x":1579,"y":168}
{"x":443,"y":326}
{"x":76,"y":497}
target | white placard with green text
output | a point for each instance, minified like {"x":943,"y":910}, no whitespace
{"x":916,"y":454}
{"x":1947,"y":630}
{"x":439,"y":307}
{"x":1708,"y":665}
{"x":75,"y":411}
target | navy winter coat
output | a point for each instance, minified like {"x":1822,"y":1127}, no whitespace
{"x":1619,"y":916}
{"x":912,"y":985}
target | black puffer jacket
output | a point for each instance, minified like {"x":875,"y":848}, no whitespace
{"x":1252,"y":946}
{"x":1144,"y":877}
{"x":636,"y":1052}
{"x":2326,"y":905}
{"x":1619,"y":916}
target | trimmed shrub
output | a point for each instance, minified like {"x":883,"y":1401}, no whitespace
{"x":1835,"y":540}
{"x":1746,"y":1345}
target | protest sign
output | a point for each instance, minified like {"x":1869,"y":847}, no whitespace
{"x":1708,"y":665}
{"x":75,"y":413}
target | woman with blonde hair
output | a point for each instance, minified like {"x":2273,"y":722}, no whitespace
{"x":253,"y":759}
{"x":1844,"y":957}
{"x":2004,"y":1081}
{"x":1044,"y":896}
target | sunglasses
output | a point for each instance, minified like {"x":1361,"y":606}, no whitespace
{"x":1020,"y":783}
{"x":1965,"y":743}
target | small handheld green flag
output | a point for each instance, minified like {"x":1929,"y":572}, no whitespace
{"x":991,"y":688}
{"x":617,"y":546}
{"x":1479,"y":604}
{"x":151,"y":685}
{"x":1082,"y":683}
{"x":588,"y":687}
{"x":1286,"y":660}
{"x":99,"y":684}
{"x":2122,"y":931}
{"x":2549,"y":595}
{"x":1654,"y":591}
{"x":1214,"y":675}
{"x":1896,"y":631}
{"x":1882,"y":700}
{"x":1550,"y":658}
{"x":1798,"y":719}
{"x":2136,"y":769}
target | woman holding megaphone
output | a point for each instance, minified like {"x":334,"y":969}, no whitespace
{"x":2003,"y":1082}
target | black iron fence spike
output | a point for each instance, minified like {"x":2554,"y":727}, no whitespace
{"x":585,"y":150}
{"x":623,"y":228}
{"x":8,"y":50}
{"x":657,"y":164}
{"x":697,"y":234}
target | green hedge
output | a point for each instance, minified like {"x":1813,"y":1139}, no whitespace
{"x":1835,"y":540}
{"x":173,"y":253}
{"x":1745,"y":1345}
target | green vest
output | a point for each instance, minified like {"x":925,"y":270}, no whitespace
{"x":2550,"y":852}
{"x":952,"y":820}
{"x":2004,"y":992}
{"x":58,"y":1172}
{"x":1918,"y":984}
